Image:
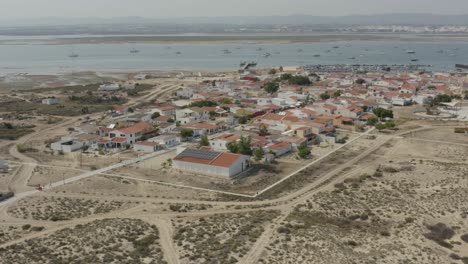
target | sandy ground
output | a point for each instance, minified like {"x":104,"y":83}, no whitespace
{"x":377,"y":199}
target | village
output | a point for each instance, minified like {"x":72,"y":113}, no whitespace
{"x":288,"y":151}
{"x":222,"y":127}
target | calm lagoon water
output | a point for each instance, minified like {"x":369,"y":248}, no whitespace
{"x":36,"y":58}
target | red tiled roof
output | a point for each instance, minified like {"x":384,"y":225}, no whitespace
{"x":147,"y":143}
{"x":119,"y":140}
{"x":138,"y":127}
{"x":280,"y":145}
{"x":225,"y":160}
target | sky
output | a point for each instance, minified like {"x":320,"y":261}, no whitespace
{"x":205,"y":8}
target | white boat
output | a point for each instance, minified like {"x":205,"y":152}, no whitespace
{"x":266,"y":55}
{"x":134,"y":51}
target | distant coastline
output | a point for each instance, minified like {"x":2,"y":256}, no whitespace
{"x":230,"y":38}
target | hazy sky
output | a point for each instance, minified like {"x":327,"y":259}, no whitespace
{"x":172,"y":8}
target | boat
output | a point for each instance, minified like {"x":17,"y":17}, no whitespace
{"x":414,"y":60}
{"x":226,"y":51}
{"x":266,"y":55}
{"x":316,"y":55}
{"x":246,"y":65}
{"x":134,"y":51}
{"x":73,"y":54}
{"x":178,"y":52}
{"x":410,"y":51}
{"x":352,"y":58}
{"x":462,"y":66}
{"x":300,"y":50}
{"x":336,"y":47}
{"x":440,"y":51}
{"x":259,"y":49}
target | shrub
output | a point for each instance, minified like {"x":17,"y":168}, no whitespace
{"x":26,"y":227}
{"x":465,"y":238}
{"x":439,"y":233}
{"x":37,"y":228}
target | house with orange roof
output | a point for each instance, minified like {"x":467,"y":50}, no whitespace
{"x":164,"y":110}
{"x":121,"y":136}
{"x":213,"y":163}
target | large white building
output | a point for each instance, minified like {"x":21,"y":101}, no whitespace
{"x":211,"y":162}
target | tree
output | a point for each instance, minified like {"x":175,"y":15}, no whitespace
{"x":382,"y":113}
{"x":300,"y":80}
{"x":380,"y":126}
{"x":203,"y":104}
{"x":360,"y":81}
{"x":281,"y":68}
{"x":263,"y":131}
{"x":272,"y":71}
{"x":244,"y":119}
{"x":337,"y":94}
{"x":372,"y":121}
{"x":130,"y":110}
{"x":286,"y":76}
{"x":390,"y":124}
{"x":186,"y":133}
{"x":258,"y":154}
{"x":324,"y":96}
{"x":243,"y":146}
{"x":442,"y":98}
{"x":204,"y":141}
{"x":271,"y":87}
{"x":303,"y":151}
{"x":212,"y":114}
{"x":8,"y":125}
{"x":155,"y":115}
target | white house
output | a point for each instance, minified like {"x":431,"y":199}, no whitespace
{"x":146,"y":146}
{"x":168,"y":141}
{"x":50,"y":101}
{"x":66,"y":145}
{"x":4,"y":166}
{"x":281,"y":148}
{"x":220,"y":143}
{"x":211,"y":162}
{"x":109,"y":87}
{"x":186,"y":92}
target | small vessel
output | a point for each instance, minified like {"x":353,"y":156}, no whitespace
{"x":352,"y":58}
{"x":461,"y":66}
{"x":259,"y":49}
{"x":178,"y":52}
{"x":266,"y":55}
{"x":440,"y":51}
{"x":277,"y":52}
{"x":300,"y":50}
{"x":73,"y":54}
{"x":336,"y":47}
{"x":134,"y":51}
{"x":226,"y":51}
{"x":316,"y":55}
{"x":414,"y":60}
{"x":410,"y":51}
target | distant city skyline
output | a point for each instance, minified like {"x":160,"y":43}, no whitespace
{"x":22,"y":9}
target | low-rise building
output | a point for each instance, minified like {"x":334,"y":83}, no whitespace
{"x":66,"y":145}
{"x":211,"y":162}
{"x":147,"y":146}
{"x":50,"y":101}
